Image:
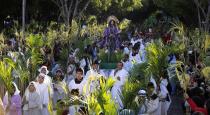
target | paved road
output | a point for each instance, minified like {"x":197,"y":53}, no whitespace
{"x":176,"y":106}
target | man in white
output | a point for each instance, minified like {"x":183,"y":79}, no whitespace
{"x":93,"y":76}
{"x":119,"y":75}
{"x":165,"y":100}
{"x":150,"y":105}
{"x":44,"y":94}
{"x":127,"y":63}
{"x":76,"y":89}
{"x":95,"y":70}
{"x":134,"y":56}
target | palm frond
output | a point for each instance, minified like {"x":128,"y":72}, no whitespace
{"x":6,"y":67}
{"x":100,"y":101}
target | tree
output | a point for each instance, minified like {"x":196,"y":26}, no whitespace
{"x":119,"y":8}
{"x":121,"y":5}
{"x":69,"y":9}
{"x":203,"y":10}
{"x":182,"y":9}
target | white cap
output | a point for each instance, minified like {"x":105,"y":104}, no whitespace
{"x":142,"y":92}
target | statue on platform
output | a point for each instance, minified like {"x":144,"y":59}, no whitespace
{"x":111,"y":34}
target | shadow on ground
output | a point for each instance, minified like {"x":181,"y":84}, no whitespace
{"x":176,"y":106}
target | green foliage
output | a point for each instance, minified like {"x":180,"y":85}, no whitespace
{"x":136,"y":81}
{"x":123,"y":5}
{"x":151,"y":21}
{"x":81,"y":44}
{"x":100,"y":100}
{"x":2,"y":42}
{"x":138,"y":71}
{"x":156,"y":60}
{"x":34,"y":43}
{"x":176,"y":7}
{"x":207,"y":61}
{"x":157,"y":54}
{"x":130,"y":90}
{"x":63,"y":57}
{"x":93,"y":30}
{"x":156,"y":63}
{"x":114,"y":57}
{"x":124,"y":24}
{"x":51,"y":35}
{"x":6,"y":67}
{"x":179,"y":29}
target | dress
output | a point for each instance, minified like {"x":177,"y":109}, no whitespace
{"x":34,"y":104}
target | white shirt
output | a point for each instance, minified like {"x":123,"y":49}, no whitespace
{"x":48,"y":82}
{"x":163,"y":89}
{"x":135,"y":59}
{"x":94,"y":73}
{"x":123,"y":74}
{"x":126,"y":50}
{"x":80,"y":86}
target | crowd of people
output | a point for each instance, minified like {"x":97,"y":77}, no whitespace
{"x":55,"y":83}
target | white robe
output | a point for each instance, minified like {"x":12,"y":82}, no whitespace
{"x":126,"y":51}
{"x":134,"y":41}
{"x":127,"y":65}
{"x":117,"y":87}
{"x":72,"y":85}
{"x":48,"y":82}
{"x":33,"y":106}
{"x":150,"y":107}
{"x":142,"y":53}
{"x":135,"y":59}
{"x":164,"y":105}
{"x":44,"y":95}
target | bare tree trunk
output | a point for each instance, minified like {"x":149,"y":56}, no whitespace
{"x":199,"y":18}
{"x":70,"y":9}
{"x":207,"y":18}
{"x":23,"y":17}
{"x":23,"y":26}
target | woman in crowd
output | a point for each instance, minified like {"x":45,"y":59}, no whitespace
{"x":71,"y":69}
{"x":12,"y":101}
{"x":2,"y":111}
{"x":32,"y":100}
{"x":59,"y":87}
{"x":44,"y":94}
